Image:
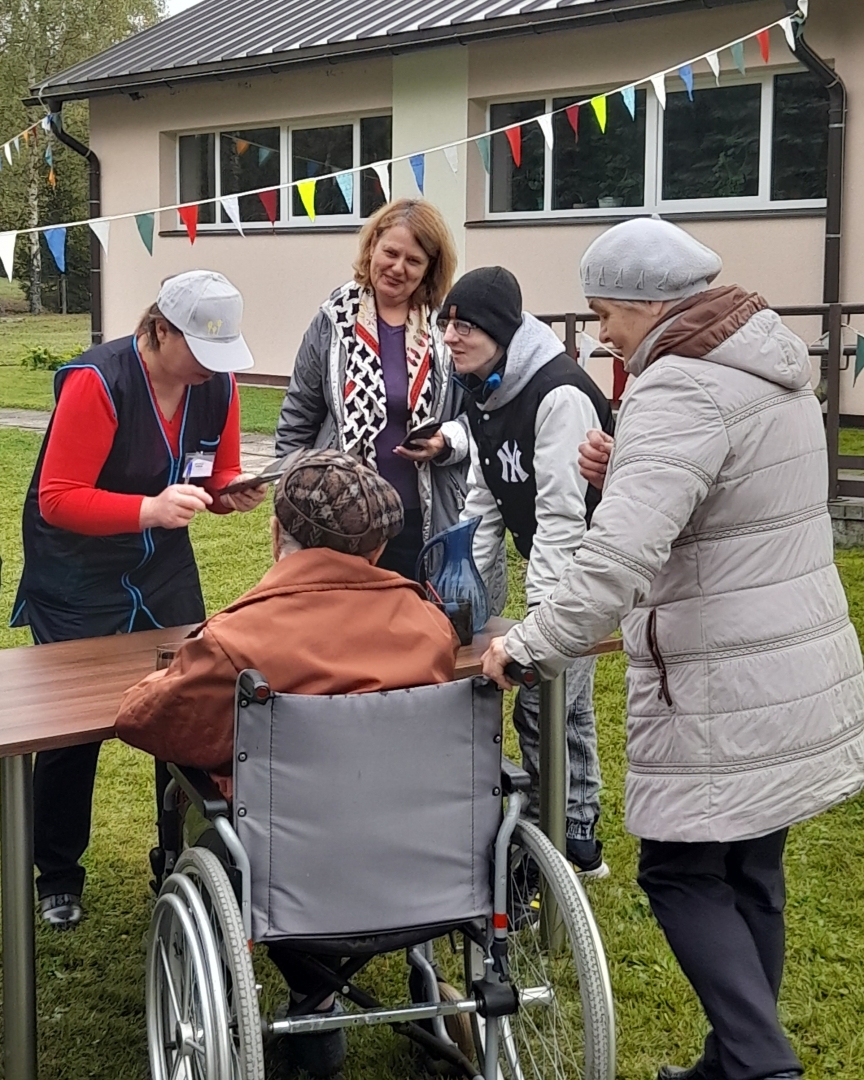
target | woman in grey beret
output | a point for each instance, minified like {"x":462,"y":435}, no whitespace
{"x":713,"y":549}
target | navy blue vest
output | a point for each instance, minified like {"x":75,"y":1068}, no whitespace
{"x":76,"y":586}
{"x":505,"y":443}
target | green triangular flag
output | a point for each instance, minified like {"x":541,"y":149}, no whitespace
{"x":859,"y":357}
{"x":145,"y":229}
{"x":482,"y":145}
{"x":737,"y":51}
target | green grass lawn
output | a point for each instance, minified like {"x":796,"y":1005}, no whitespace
{"x":21,"y":388}
{"x":91,"y":1014}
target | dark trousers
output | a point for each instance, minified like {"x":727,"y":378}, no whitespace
{"x":300,"y":979}
{"x":401,"y":552}
{"x":62,"y":811}
{"x":721,"y":909}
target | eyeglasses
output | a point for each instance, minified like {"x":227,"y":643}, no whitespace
{"x":461,"y":326}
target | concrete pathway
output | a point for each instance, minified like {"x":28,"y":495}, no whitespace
{"x":256,"y":451}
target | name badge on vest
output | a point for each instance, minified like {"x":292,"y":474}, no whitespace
{"x":199,"y":466}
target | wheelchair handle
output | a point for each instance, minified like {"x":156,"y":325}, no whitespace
{"x":529,"y":677}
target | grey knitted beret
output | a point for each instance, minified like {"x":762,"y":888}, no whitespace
{"x":647,"y":259}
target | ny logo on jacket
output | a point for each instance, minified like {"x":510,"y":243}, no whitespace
{"x":511,"y":464}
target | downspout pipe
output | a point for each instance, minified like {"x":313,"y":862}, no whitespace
{"x":837,"y":105}
{"x":95,"y":183}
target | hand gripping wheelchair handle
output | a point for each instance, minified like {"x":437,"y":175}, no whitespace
{"x":527,"y":676}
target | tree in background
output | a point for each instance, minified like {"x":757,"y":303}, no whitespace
{"x":38,"y":40}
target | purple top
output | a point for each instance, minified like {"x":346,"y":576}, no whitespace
{"x":402,"y":474}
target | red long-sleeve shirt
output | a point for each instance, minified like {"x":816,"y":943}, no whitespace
{"x":82,"y":435}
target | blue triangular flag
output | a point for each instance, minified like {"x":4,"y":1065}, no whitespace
{"x":418,"y":167}
{"x":49,"y":157}
{"x":311,"y":168}
{"x":264,"y":152}
{"x":56,"y":241}
{"x":686,"y":73}
{"x":345,"y":180}
{"x":629,"y":95}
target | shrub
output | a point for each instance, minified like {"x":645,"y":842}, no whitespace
{"x":40,"y":358}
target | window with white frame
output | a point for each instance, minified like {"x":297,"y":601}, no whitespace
{"x":750,"y":144}
{"x":219,"y":163}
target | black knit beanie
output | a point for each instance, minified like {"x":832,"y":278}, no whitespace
{"x":490,"y":298}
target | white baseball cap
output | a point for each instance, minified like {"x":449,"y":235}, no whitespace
{"x":206,"y":308}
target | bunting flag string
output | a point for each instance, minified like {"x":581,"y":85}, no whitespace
{"x":231,"y":206}
{"x":7,"y":251}
{"x":188,"y":212}
{"x":306,"y":191}
{"x":514,"y":137}
{"x":598,"y":104}
{"x":346,"y":186}
{"x":56,"y":240}
{"x":418,"y":167}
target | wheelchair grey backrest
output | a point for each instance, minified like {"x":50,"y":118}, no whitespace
{"x":368,"y":813}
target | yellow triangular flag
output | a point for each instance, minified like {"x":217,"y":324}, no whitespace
{"x":306,"y":191}
{"x":598,"y":104}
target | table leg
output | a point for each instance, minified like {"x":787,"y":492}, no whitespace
{"x":19,"y":952}
{"x":553,"y":791}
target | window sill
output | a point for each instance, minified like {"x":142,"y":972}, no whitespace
{"x":615,"y":219}
{"x":280,"y":230}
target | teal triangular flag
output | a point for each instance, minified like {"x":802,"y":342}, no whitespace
{"x":145,"y":229}
{"x":629,"y":95}
{"x":418,"y":167}
{"x":737,"y":51}
{"x":345,"y":180}
{"x":264,"y":152}
{"x":859,"y":357}
{"x":482,"y":145}
{"x":686,"y":73}
{"x":56,"y":241}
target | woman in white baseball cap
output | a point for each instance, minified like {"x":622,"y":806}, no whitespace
{"x":145,"y":432}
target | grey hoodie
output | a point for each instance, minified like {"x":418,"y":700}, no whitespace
{"x":713,"y":548}
{"x":562,"y":420}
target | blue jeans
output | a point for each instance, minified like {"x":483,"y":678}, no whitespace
{"x":583,"y":795}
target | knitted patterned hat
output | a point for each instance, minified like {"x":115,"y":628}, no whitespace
{"x":328,"y":499}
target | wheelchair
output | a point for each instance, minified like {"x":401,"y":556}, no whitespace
{"x":363,"y":825}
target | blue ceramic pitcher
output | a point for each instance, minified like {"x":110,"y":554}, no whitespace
{"x":447,"y":564}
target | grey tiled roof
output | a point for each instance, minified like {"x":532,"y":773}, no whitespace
{"x":242,"y":36}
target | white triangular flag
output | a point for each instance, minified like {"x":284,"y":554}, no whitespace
{"x":231,"y":206}
{"x":102,"y":231}
{"x":659,"y":84}
{"x":713,"y":61}
{"x":7,"y":150}
{"x":7,"y":251}
{"x":804,"y":7}
{"x":46,"y":123}
{"x":383,"y":171}
{"x":789,"y":32}
{"x":452,"y":155}
{"x":587,"y":346}
{"x":545,"y":122}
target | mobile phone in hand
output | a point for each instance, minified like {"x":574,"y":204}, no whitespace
{"x":251,"y":482}
{"x":425,"y":431}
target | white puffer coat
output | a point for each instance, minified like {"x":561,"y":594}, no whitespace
{"x":713,"y":543}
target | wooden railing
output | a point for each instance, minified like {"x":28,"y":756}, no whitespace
{"x":834,"y":357}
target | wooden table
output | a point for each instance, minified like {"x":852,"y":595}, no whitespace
{"x":64,"y":694}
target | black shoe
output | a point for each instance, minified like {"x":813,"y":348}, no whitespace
{"x":63,"y":911}
{"x":587,"y":859}
{"x":322,"y":1054}
{"x":523,"y":904}
{"x":695,"y":1072}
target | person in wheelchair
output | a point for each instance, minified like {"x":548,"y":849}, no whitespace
{"x":323,"y":620}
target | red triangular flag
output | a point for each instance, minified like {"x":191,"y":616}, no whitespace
{"x":764,"y":39}
{"x":189,"y":217}
{"x":573,"y":116}
{"x":268,"y":199}
{"x":514,"y":137}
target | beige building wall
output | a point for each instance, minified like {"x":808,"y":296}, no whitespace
{"x":439,"y":96}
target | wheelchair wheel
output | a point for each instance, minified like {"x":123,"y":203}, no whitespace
{"x":183,"y":1036}
{"x":565,"y":1027}
{"x":241,"y":998}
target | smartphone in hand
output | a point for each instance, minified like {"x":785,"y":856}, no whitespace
{"x":251,"y":482}
{"x":425,"y":431}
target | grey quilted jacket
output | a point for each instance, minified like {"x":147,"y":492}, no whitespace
{"x":713,"y":549}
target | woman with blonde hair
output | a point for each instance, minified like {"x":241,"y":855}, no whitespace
{"x":373,"y":367}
